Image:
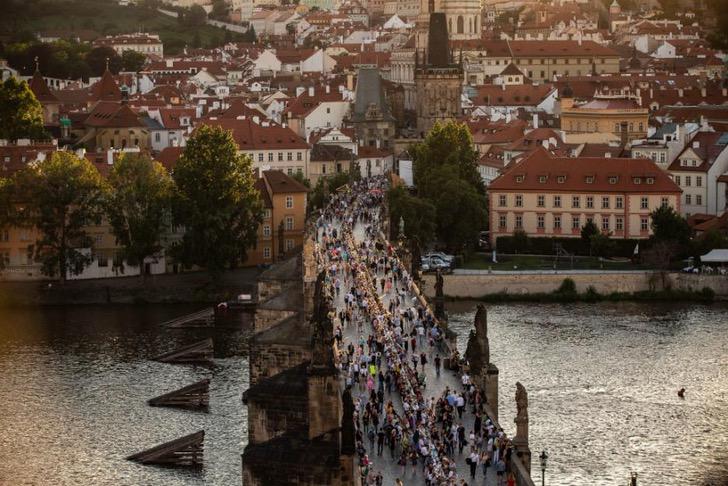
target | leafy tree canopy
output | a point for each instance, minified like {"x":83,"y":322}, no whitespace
{"x":132,"y":61}
{"x":98,"y":57}
{"x":65,"y":195}
{"x":138,"y":206}
{"x":668,"y":225}
{"x":21,"y":115}
{"x":216,"y":201}
{"x":419,"y":215}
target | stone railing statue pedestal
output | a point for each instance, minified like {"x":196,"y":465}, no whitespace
{"x":520,"y":441}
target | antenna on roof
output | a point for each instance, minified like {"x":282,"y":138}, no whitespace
{"x":37,"y":65}
{"x":107,"y":63}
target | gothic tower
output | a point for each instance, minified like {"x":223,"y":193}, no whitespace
{"x":438,"y":79}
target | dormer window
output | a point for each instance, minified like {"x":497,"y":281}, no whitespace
{"x":637,"y":180}
{"x":561,"y":179}
{"x":519,"y":178}
{"x":650,"y":180}
{"x":613,"y":179}
{"x":589,"y":179}
{"x":542,"y":179}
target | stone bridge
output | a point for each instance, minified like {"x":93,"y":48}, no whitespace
{"x":305,"y":425}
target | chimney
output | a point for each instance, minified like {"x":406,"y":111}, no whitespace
{"x":535,"y":121}
{"x":607,"y":155}
{"x":328,"y":89}
{"x":310,"y":91}
{"x":680,"y":92}
{"x":110,"y":157}
{"x":256,"y":119}
{"x":703,"y":92}
{"x":696,"y":144}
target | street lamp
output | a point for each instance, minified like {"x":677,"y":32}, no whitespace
{"x":543,"y":457}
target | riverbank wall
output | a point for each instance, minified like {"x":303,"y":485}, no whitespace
{"x":478,"y":284}
{"x":193,"y":287}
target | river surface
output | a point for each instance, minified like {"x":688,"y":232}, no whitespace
{"x":602,"y":382}
{"x":73,"y":389}
{"x":602,"y":385}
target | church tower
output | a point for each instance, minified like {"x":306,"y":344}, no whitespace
{"x":438,"y":78}
{"x":464,"y":18}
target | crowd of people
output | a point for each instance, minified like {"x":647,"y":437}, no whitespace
{"x":397,"y":338}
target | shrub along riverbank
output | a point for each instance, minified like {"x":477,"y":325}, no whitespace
{"x":567,"y":293}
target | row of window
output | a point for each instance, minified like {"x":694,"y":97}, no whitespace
{"x":267,"y":251}
{"x":698,"y":199}
{"x":689,"y":181}
{"x":288,"y":224}
{"x":576,"y":201}
{"x":595,"y":127}
{"x":288,"y":156}
{"x":576,"y":222}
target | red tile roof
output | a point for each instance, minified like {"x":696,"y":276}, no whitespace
{"x":281,"y":183}
{"x":110,"y":114}
{"x":106,"y":89}
{"x":577,"y":170}
{"x":251,"y":136}
{"x":40,"y":89}
{"x":706,"y":146}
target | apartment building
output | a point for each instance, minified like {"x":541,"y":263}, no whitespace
{"x":556,"y":196}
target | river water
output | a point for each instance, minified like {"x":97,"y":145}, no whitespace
{"x":602,"y":382}
{"x":602,"y":385}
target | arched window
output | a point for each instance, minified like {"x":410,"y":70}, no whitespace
{"x":461,"y":24}
{"x":470,"y":25}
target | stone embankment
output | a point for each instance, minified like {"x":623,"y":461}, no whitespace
{"x":194,"y":287}
{"x":475,"y":284}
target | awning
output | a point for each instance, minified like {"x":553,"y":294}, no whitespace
{"x":715,"y":256}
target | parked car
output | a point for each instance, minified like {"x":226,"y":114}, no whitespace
{"x":441,"y":255}
{"x":434,"y":263}
{"x":484,"y":240}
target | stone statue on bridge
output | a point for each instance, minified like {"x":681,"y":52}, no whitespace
{"x":439,"y":296}
{"x":416,"y":254}
{"x":478,"y":350}
{"x":520,"y":441}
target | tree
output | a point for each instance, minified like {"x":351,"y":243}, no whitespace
{"x":99,"y":58}
{"x":520,"y":241}
{"x":7,"y":210}
{"x":220,"y":10}
{"x":21,"y":115}
{"x":64,"y":194}
{"x":418,"y":214}
{"x":138,"y":206}
{"x":668,"y":225}
{"x":321,"y":193}
{"x":588,"y":230}
{"x":719,"y":37}
{"x":460,"y":214}
{"x":446,"y":174}
{"x":132,"y":61}
{"x":249,"y":35}
{"x":192,"y":17}
{"x":601,"y":245}
{"x":447,"y":149}
{"x":216,"y":201}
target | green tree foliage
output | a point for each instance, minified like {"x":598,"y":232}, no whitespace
{"x":7,"y":209}
{"x":446,"y":174}
{"x":64,"y":195}
{"x":21,"y":115}
{"x":588,"y":230}
{"x":216,"y":201}
{"x":711,"y":240}
{"x":250,"y":36}
{"x":520,"y":241}
{"x":668,"y":225}
{"x":717,"y":10}
{"x":419,"y":215}
{"x":138,"y":206}
{"x":132,"y":61}
{"x":447,"y":150}
{"x":460,"y":214}
{"x":192,"y":17}
{"x":220,"y":10}
{"x":601,"y":245}
{"x":98,"y":57}
{"x":60,"y":59}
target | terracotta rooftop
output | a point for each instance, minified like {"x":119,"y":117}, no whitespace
{"x":251,"y":136}
{"x":539,"y":171}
